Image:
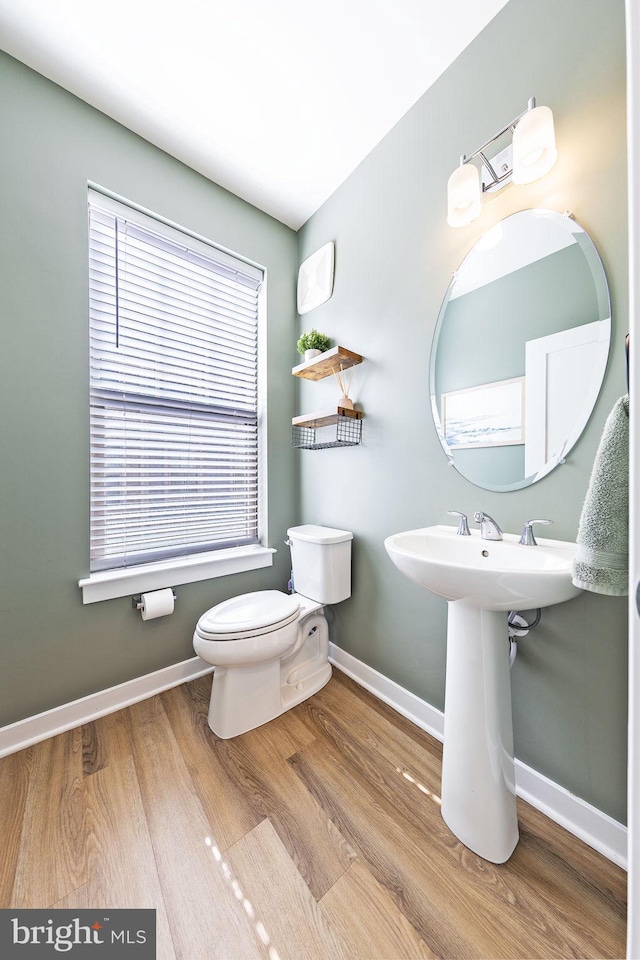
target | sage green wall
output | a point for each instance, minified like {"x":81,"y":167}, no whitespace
{"x":52,"y":648}
{"x":394,"y":258}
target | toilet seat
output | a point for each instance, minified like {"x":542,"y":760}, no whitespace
{"x":249,"y":615}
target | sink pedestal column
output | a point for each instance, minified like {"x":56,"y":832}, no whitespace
{"x":478,"y":774}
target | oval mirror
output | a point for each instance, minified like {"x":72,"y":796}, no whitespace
{"x":520,"y":350}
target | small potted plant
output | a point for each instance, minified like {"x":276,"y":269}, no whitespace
{"x":313,"y":343}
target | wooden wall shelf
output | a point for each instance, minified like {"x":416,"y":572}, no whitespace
{"x":348,"y":432}
{"x":347,"y":421}
{"x":325,"y":418}
{"x":331,"y":361}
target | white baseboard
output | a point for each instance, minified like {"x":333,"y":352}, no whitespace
{"x":23,"y":733}
{"x":600,"y":831}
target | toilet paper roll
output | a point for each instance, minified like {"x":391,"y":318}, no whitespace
{"x":156,"y":604}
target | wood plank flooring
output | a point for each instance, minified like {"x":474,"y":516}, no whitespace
{"x":315,"y":837}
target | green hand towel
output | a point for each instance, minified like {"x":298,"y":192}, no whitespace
{"x":601,"y":564}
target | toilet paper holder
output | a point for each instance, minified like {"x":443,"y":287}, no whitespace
{"x":136,"y":600}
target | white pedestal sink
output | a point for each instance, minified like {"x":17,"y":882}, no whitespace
{"x":482,"y":580}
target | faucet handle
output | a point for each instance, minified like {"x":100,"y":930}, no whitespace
{"x":527,"y":537}
{"x":463,"y":526}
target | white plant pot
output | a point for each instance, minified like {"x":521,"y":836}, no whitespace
{"x":310,"y":354}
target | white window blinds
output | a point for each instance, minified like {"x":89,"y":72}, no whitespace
{"x":174,"y":425}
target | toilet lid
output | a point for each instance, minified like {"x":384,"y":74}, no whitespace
{"x":249,"y":612}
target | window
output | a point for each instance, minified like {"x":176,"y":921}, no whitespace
{"x":174,"y":392}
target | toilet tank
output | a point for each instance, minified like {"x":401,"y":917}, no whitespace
{"x":321,"y":562}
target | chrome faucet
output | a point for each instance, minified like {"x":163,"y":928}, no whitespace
{"x":463,"y":526}
{"x":527,"y":537}
{"x":489,"y":529}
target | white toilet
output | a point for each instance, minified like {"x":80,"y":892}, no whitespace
{"x":270,"y":649}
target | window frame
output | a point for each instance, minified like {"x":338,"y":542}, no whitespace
{"x":189,"y":568}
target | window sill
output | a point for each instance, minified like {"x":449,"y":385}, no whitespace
{"x":111,"y":584}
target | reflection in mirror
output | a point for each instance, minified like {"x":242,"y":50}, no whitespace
{"x":520,"y":350}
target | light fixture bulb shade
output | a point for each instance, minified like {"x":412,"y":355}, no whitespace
{"x":534,"y":145}
{"x":463,"y":195}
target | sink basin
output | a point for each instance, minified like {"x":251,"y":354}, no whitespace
{"x":493,"y":575}
{"x":481,"y":580}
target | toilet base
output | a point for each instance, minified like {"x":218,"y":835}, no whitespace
{"x":245,"y":697}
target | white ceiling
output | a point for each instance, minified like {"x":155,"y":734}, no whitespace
{"x":276,"y":100}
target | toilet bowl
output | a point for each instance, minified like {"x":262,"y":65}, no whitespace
{"x":264,"y":665}
{"x":270,"y":649}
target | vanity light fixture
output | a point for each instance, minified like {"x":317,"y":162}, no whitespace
{"x":534,"y":145}
{"x":464,"y":195}
{"x":533,"y":153}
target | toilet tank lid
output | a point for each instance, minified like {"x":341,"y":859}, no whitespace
{"x":317,"y":534}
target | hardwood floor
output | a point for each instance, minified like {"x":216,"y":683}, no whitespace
{"x":315,"y":837}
